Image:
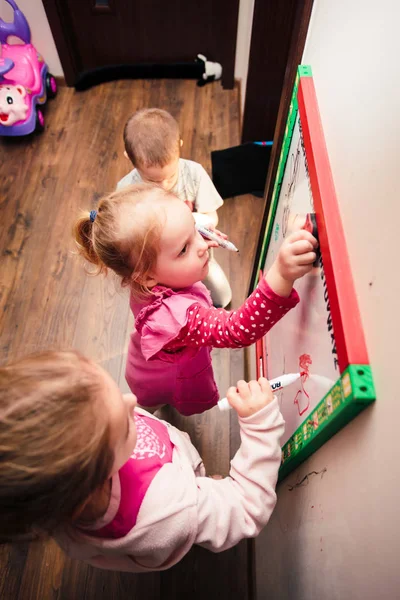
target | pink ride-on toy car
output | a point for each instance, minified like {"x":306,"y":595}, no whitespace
{"x":25,"y":82}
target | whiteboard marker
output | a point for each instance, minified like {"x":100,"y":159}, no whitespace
{"x":276,"y":384}
{"x":211,"y":235}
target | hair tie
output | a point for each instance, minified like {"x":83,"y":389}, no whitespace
{"x":92,"y":215}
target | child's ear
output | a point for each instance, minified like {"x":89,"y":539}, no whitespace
{"x":181,"y":142}
{"x":149,"y":281}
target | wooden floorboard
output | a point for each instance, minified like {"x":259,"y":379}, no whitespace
{"x":47,"y":300}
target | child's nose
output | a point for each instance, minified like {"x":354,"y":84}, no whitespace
{"x":203,"y":245}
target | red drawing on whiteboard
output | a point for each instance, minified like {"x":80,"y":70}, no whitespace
{"x":302,"y":399}
{"x":305,"y":361}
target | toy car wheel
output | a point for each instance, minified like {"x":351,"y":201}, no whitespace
{"x":39,"y":127}
{"x":51,"y":86}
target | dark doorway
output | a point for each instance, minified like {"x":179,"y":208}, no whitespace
{"x":97,"y":33}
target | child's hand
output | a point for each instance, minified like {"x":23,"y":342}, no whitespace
{"x":211,"y":226}
{"x":296,"y":255}
{"x":209,"y":220}
{"x":218,"y":232}
{"x":295,"y":259}
{"x":212,"y":243}
{"x":249,"y":398}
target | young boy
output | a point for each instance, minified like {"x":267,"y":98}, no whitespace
{"x":152,"y":144}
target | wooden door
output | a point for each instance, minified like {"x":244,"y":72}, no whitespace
{"x":277,"y":42}
{"x":95,"y":33}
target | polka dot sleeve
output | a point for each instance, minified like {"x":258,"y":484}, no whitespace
{"x":236,"y":328}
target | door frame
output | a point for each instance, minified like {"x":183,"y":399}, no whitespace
{"x":59,"y":24}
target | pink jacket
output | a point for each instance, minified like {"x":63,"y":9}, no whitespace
{"x":158,"y":377}
{"x":169,"y":355}
{"x":183,"y":507}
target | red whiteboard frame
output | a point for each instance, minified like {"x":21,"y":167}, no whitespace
{"x":349,"y":335}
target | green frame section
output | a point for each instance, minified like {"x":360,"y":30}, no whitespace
{"x":302,"y":71}
{"x":352,"y":392}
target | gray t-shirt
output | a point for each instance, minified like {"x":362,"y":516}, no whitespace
{"x":194,"y":186}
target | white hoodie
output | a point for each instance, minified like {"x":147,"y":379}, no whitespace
{"x":183,"y":507}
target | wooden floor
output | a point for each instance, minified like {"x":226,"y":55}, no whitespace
{"x":48,"y":301}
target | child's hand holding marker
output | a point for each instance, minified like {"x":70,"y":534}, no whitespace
{"x":295,"y":259}
{"x":248,"y":398}
{"x":220,"y":239}
{"x":272,"y":385}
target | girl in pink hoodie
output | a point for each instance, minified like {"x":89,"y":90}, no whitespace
{"x":147,"y":236}
{"x":114,"y":485}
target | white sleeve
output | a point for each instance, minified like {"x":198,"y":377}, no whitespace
{"x":207,"y":197}
{"x":202,"y":219}
{"x":129,"y":179}
{"x":240,"y":505}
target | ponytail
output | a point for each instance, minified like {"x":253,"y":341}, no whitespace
{"x":124,"y":234}
{"x":83,"y":234}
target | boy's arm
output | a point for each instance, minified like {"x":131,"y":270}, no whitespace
{"x":206,"y":219}
{"x":207,"y":198}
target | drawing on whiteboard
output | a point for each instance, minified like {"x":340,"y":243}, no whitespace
{"x":302,"y":398}
{"x":291,"y":187}
{"x":304,"y":334}
{"x":304,"y":363}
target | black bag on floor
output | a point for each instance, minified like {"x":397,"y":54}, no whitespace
{"x":241,"y":169}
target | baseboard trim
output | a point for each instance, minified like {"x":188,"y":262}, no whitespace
{"x":60,"y":79}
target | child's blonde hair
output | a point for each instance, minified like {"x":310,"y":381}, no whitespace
{"x":151,"y":138}
{"x":124,"y":235}
{"x":55,"y":447}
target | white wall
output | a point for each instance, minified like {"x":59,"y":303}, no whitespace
{"x":339,"y":537}
{"x":245,"y":24}
{"x":42,"y":37}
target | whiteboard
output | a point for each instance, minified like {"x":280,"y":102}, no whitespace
{"x":303,"y":340}
{"x":322,"y":338}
